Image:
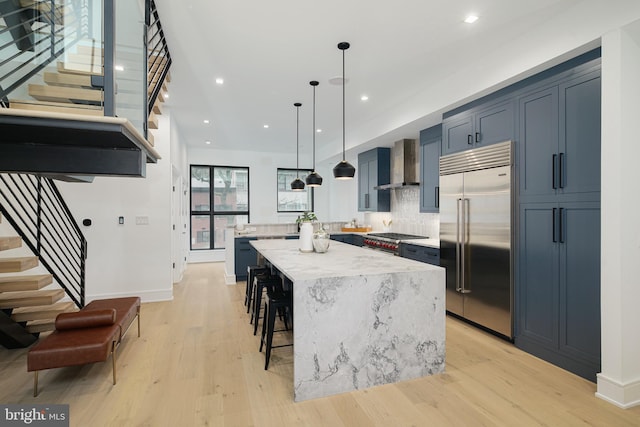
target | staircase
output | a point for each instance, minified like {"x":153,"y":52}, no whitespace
{"x":29,"y":303}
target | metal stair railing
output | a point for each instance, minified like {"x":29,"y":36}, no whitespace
{"x":158,"y":55}
{"x":35,"y":208}
{"x":35,"y":35}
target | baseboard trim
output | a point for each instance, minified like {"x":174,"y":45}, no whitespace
{"x":229,"y":279}
{"x":622,"y":395}
{"x":145,"y":296}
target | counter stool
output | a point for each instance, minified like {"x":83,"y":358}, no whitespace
{"x":252,"y":271}
{"x":260,"y":283}
{"x":277,"y":301}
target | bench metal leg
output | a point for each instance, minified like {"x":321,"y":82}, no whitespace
{"x":113,"y":359}
{"x":35,"y":384}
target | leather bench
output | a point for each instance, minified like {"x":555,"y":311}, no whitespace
{"x":87,"y":336}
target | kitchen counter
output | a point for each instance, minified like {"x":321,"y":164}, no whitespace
{"x":362,"y":317}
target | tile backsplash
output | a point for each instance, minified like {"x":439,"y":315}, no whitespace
{"x":405,"y":215}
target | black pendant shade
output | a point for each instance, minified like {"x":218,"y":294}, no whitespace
{"x":314,"y":179}
{"x":297,"y":184}
{"x":344,"y":169}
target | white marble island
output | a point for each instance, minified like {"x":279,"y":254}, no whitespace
{"x":361,"y":317}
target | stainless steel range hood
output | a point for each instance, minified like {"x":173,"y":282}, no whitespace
{"x":404,"y":165}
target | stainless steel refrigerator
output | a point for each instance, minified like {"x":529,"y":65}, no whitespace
{"x":476,"y":211}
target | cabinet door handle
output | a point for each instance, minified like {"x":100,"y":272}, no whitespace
{"x":561,"y":171}
{"x":477,"y":136}
{"x":561,"y":225}
{"x":437,"y":197}
{"x":553,"y":171}
{"x":553,"y":226}
{"x":470,"y":139}
{"x":366,"y":200}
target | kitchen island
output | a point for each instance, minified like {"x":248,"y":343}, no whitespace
{"x":361,"y":317}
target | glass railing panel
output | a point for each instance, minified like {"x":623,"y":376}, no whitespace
{"x":34,"y":36}
{"x":129,"y":63}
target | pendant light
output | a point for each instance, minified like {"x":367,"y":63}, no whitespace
{"x":314,"y":179}
{"x":297,"y":184}
{"x":344,"y":169}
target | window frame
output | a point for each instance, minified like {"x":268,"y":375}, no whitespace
{"x":211,"y":212}
{"x":309,"y":190}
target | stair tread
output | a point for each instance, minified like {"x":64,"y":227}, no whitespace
{"x":25,"y":283}
{"x":67,"y":80}
{"x":58,"y":107}
{"x":16,"y":264}
{"x":62,"y":94}
{"x":42,"y":312}
{"x":62,"y":68}
{"x":30,"y":298}
{"x":10,"y":242}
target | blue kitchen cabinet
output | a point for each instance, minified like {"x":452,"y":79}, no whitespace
{"x":420,"y":253}
{"x":430,"y":146}
{"x":558,"y":292}
{"x":560,"y":140}
{"x":558,"y":288}
{"x":245,"y":255}
{"x":479,"y":126}
{"x":374,"y":169}
{"x":352,"y":239}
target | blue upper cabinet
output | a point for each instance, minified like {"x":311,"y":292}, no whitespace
{"x":430,"y":143}
{"x":374,"y":169}
{"x":560,"y":140}
{"x":482,"y":125}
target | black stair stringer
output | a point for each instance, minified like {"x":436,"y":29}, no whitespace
{"x":12,"y":335}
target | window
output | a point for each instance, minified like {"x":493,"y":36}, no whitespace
{"x":293,"y":201}
{"x":219,"y":198}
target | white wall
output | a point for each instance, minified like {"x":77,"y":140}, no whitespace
{"x":619,"y":381}
{"x":128,"y":259}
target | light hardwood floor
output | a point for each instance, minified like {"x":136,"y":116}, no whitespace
{"x":197,"y":363}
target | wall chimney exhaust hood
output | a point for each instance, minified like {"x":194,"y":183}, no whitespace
{"x":404,"y":165}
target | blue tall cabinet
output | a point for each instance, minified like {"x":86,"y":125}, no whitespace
{"x":558,"y":285}
{"x":374,"y":169}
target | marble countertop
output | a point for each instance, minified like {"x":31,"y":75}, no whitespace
{"x":341,"y":260}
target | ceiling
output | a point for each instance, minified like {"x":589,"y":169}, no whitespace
{"x":267,"y":52}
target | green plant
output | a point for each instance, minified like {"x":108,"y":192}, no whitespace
{"x":306,"y":217}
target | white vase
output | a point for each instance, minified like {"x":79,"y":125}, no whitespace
{"x":306,"y":237}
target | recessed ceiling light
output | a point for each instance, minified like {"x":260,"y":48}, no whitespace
{"x":364,"y":98}
{"x":206,"y":122}
{"x":219,"y":81}
{"x":166,"y":95}
{"x":119,"y":68}
{"x":470,"y":19}
{"x":208,"y":142}
{"x":318,"y":130}
{"x":265,"y":126}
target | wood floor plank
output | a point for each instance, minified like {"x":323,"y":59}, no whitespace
{"x":197,"y":363}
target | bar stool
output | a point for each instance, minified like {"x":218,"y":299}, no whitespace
{"x":277,"y":301}
{"x":252,"y":271}
{"x":260,"y":283}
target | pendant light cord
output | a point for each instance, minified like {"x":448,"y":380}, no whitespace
{"x":314,"y":128}
{"x":344,"y":82}
{"x":297,"y":142}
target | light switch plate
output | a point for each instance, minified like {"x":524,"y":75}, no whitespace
{"x":142,"y":220}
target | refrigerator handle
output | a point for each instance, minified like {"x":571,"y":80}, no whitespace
{"x":463,"y":267}
{"x":458,"y":223}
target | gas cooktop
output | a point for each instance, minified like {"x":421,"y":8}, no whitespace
{"x":395,"y":236}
